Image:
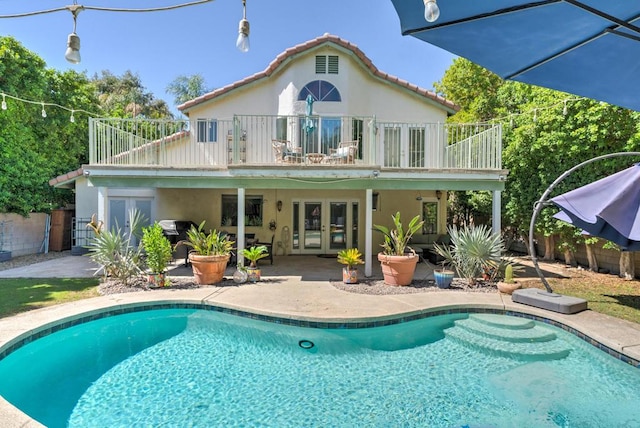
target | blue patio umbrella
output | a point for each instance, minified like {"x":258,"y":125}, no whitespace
{"x":608,"y":208}
{"x":589,"y":48}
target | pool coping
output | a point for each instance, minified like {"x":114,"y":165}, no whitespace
{"x":619,"y":338}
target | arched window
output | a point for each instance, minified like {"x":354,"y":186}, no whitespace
{"x":321,"y":90}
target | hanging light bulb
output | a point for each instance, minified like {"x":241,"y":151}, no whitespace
{"x":44,"y":113}
{"x":72,"y":53}
{"x":242,"y":43}
{"x":564,"y":109}
{"x":4,"y":103}
{"x":431,"y":10}
{"x":72,"y":119}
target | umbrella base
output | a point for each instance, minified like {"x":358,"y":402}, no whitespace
{"x":549,"y":301}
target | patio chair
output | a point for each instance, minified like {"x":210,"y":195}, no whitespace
{"x":269,"y":249}
{"x":346,"y":153}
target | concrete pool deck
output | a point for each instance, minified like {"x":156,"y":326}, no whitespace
{"x":304,"y":293}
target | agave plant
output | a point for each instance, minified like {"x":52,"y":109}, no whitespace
{"x":116,"y":252}
{"x":473,"y":249}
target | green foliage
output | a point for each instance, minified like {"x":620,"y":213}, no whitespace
{"x":396,"y":240}
{"x":34,"y":149}
{"x":115,"y":252}
{"x":207,"y":244}
{"x":473,"y":250}
{"x":185,"y":88}
{"x":157,"y":248}
{"x":255,"y":253}
{"x":350,"y":257}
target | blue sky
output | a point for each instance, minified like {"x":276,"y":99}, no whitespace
{"x":159,"y":46}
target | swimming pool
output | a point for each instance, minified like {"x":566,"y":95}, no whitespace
{"x":188,"y":367}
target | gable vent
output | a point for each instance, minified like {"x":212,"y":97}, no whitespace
{"x":333,"y":64}
{"x":321,"y":64}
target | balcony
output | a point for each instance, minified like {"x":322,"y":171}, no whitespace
{"x":310,"y":141}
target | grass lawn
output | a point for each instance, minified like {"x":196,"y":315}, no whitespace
{"x":605,"y":293}
{"x":20,"y":294}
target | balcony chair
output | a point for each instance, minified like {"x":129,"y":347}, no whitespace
{"x":284,"y":153}
{"x":346,"y":153}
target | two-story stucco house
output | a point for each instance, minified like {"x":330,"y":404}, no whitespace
{"x":311,"y":152}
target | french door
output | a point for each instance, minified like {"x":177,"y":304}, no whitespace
{"x":324,"y":226}
{"x":119,"y":209}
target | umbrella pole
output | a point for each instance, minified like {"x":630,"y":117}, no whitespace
{"x":542,"y":202}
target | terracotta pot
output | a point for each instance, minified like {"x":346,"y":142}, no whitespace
{"x":507,"y":288}
{"x":398,"y":270}
{"x":208,"y":269}
{"x":349,"y":276}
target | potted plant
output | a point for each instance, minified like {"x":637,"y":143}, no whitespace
{"x":508,"y":285}
{"x":158,"y":254}
{"x":209,"y":254}
{"x":397,"y":259}
{"x":253,"y":254}
{"x":350,"y":257}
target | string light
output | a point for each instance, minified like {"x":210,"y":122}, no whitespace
{"x":510,"y":117}
{"x":43,"y":104}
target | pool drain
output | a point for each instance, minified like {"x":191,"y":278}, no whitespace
{"x":306,"y":344}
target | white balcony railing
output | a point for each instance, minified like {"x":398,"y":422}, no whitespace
{"x":248,"y":140}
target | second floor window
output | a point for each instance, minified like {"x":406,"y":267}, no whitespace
{"x":207,"y":130}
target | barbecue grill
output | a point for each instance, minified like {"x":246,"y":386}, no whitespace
{"x":176,"y":231}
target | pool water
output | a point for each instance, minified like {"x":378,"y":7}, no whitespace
{"x":184,"y":367}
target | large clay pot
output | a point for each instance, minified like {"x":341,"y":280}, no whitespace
{"x":208,"y":269}
{"x":398,"y":270}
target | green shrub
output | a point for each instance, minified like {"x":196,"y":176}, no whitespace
{"x":157,"y":248}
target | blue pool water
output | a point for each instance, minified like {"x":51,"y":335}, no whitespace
{"x":182,"y":367}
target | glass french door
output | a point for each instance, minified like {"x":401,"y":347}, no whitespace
{"x":324,"y":226}
{"x":119,"y":209}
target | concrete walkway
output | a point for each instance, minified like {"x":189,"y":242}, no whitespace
{"x":303,"y":293}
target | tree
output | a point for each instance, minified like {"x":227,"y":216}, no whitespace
{"x":125,"y":96}
{"x":34,"y":148}
{"x":185,"y":88}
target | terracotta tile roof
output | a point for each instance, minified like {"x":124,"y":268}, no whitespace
{"x":326,"y":38}
{"x":64,"y":178}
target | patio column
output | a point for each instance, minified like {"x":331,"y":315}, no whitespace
{"x":368,"y":241}
{"x":240,"y":235}
{"x":496,"y":212}
{"x":102,"y":205}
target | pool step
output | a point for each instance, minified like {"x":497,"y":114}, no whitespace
{"x":510,"y":337}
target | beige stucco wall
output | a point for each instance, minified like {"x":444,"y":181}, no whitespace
{"x":204,"y":204}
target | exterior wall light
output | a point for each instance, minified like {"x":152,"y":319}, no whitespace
{"x":438,"y":194}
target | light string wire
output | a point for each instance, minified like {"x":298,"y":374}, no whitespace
{"x":105,"y":9}
{"x":45,"y":104}
{"x":535,"y":110}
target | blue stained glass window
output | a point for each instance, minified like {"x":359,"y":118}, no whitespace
{"x":321,"y":90}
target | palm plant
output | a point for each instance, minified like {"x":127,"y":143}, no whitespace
{"x":350,"y":257}
{"x":473,"y":249}
{"x":396,"y":240}
{"x":255,"y":253}
{"x":213,"y":243}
